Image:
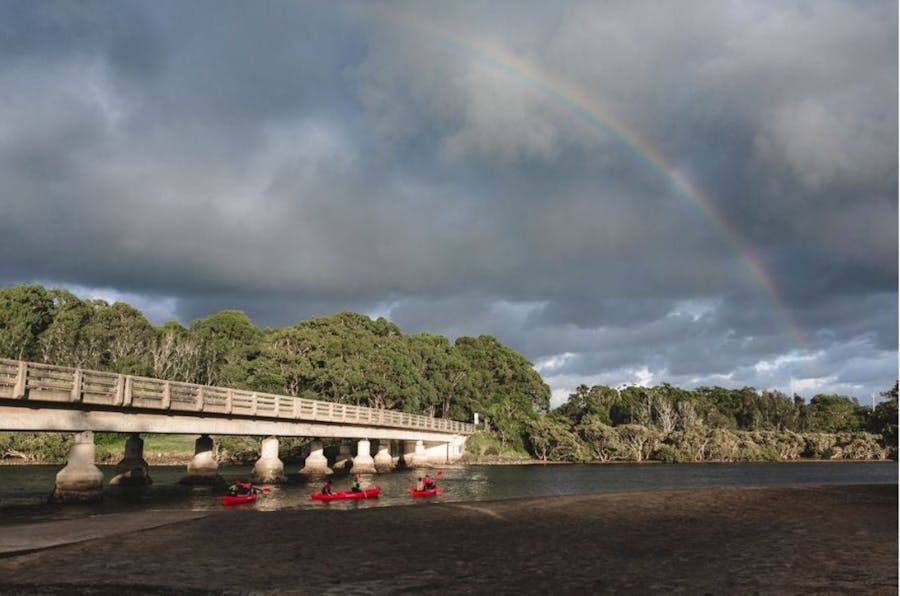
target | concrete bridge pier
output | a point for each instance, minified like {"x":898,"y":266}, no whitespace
{"x":269,"y":468}
{"x":204,"y":467}
{"x":80,"y":481}
{"x":396,"y":454}
{"x":342,"y":460}
{"x":414,"y":454}
{"x":133,"y":470}
{"x":383,"y":461}
{"x":316,"y":464}
{"x":363,"y":462}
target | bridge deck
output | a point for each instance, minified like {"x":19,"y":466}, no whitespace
{"x":36,"y":396}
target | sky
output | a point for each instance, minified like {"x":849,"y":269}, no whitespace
{"x":694,"y":193}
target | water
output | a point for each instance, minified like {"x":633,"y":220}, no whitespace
{"x":24,"y":489}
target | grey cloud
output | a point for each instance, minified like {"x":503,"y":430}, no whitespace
{"x":468,"y":168}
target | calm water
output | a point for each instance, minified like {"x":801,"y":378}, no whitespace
{"x":24,"y":489}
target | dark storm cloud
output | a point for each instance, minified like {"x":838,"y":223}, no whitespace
{"x":391,"y":158}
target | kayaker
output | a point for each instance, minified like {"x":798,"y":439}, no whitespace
{"x":420,"y":485}
{"x":326,"y":488}
{"x":355,"y":487}
{"x":428,"y":481}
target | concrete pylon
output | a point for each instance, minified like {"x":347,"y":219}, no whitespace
{"x":414,"y":455}
{"x":383,"y":460}
{"x":363,"y":462}
{"x":396,"y":453}
{"x":316,"y":464}
{"x":269,"y":468}
{"x":133,"y":470}
{"x":342,"y":460}
{"x":80,"y":481}
{"x":204,"y":467}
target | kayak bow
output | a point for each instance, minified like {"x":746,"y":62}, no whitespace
{"x":238,"y":499}
{"x":425,"y":493}
{"x":369,"y":493}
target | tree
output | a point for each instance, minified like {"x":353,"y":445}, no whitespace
{"x":602,"y":441}
{"x":227,"y":341}
{"x":779,"y":411}
{"x":632,"y":407}
{"x":25,"y":312}
{"x":447,"y":373}
{"x":121,"y":338}
{"x":639,"y":441}
{"x":883,"y":420}
{"x":594,"y":401}
{"x":509,"y":391}
{"x":834,"y":413}
{"x":175,"y":355}
{"x":347,"y":358}
{"x":63,"y":341}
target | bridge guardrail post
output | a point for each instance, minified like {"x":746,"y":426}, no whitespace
{"x":19,"y":389}
{"x":166,"y":396}
{"x":129,"y":391}
{"x":228,"y":400}
{"x":200,"y":398}
{"x":76,"y":394}
{"x":255,"y":407}
{"x":120,"y":391}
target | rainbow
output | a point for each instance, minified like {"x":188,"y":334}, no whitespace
{"x":579,"y":103}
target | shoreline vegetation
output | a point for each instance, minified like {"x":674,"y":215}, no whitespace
{"x":350,"y":358}
{"x":482,"y":449}
{"x":798,"y":540}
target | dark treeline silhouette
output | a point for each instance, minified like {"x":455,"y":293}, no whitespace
{"x":350,"y":358}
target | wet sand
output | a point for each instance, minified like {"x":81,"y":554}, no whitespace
{"x":831,"y":540}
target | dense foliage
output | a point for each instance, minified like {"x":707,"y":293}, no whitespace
{"x":713,"y":424}
{"x":350,"y":358}
{"x":346,"y":357}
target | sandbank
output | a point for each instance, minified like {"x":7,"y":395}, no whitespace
{"x":830,"y":539}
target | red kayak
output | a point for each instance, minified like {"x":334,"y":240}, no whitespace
{"x":425,"y":493}
{"x":238,"y":499}
{"x":369,"y":493}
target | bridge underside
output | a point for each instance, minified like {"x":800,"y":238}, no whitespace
{"x":44,"y":419}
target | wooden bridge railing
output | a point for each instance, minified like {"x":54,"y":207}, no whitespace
{"x":33,"y":381}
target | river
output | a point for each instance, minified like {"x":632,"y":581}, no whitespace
{"x":24,"y":489}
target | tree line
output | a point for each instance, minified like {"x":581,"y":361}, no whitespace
{"x":346,"y":357}
{"x":666,"y":423}
{"x":350,"y":358}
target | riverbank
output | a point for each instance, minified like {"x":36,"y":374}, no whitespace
{"x":835,"y":539}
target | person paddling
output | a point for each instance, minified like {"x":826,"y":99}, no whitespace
{"x":326,"y":488}
{"x":239,"y":487}
{"x":355,"y":487}
{"x":428,"y":482}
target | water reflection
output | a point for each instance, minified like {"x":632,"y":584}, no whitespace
{"x":24,"y":489}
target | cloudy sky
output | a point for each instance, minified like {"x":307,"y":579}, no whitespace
{"x":643,"y":192}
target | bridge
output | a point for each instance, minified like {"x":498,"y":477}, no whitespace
{"x":44,"y":397}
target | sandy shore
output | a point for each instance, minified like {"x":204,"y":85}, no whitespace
{"x":838,"y":539}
